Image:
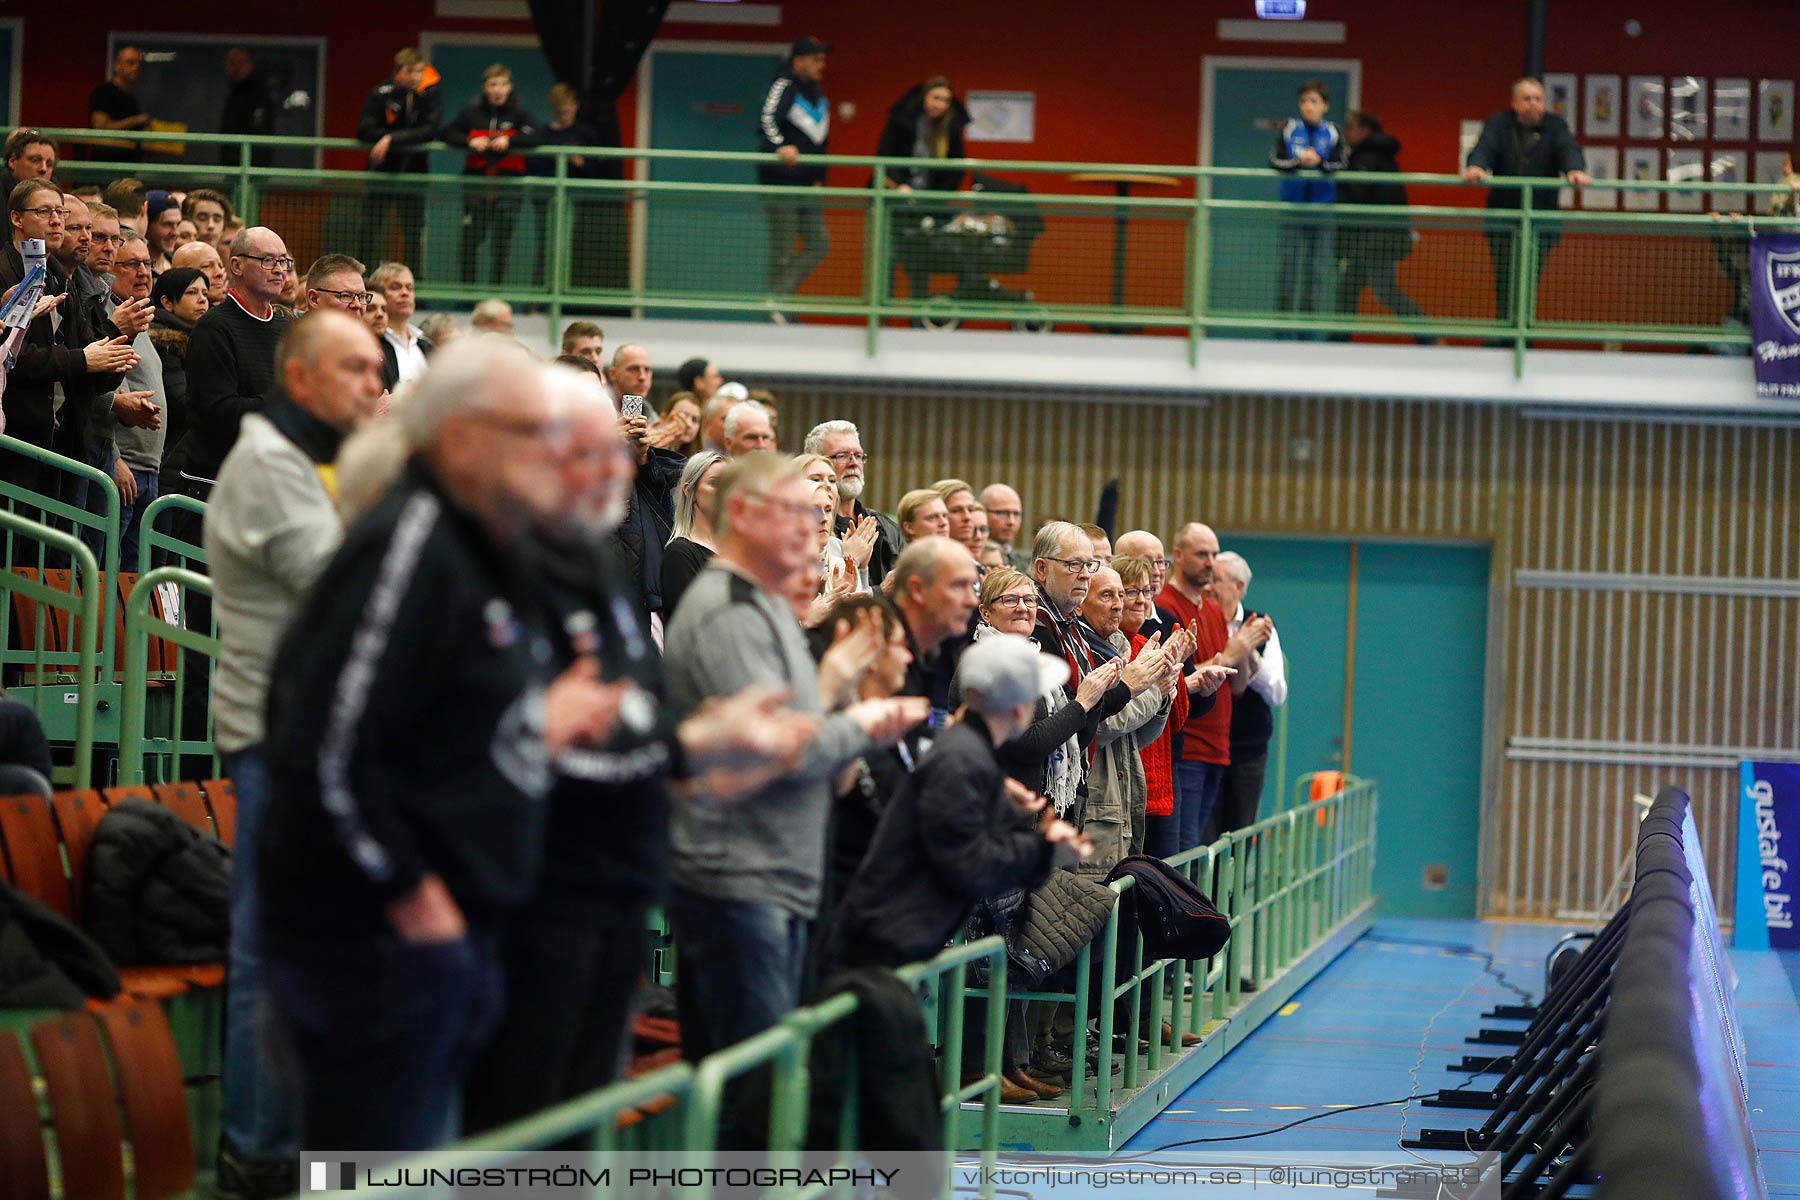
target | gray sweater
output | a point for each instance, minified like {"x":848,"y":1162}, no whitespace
{"x":270,"y":529}
{"x":769,"y":845}
{"x":142,"y":449}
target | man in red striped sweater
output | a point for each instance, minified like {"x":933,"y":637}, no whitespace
{"x":1205,"y":745}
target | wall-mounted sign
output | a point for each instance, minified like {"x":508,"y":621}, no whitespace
{"x":1281,"y":10}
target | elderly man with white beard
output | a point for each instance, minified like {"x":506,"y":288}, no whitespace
{"x":573,"y":954}
{"x":840,"y":442}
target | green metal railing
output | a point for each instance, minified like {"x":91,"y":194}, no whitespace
{"x":1295,"y":887}
{"x":168,"y":589}
{"x":678,"y":1109}
{"x":157,"y":548}
{"x":53,"y":507}
{"x":1205,"y":259}
{"x":82,"y":622}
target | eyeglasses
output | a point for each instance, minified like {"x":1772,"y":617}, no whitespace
{"x":849,"y":457}
{"x":1016,"y":602}
{"x":1139,"y":593}
{"x":1081,"y":566}
{"x":132,"y":264}
{"x":46,"y":212}
{"x":109,"y":239}
{"x":792,"y":508}
{"x":270,"y":262}
{"x":353,"y":299}
{"x":1161,"y":564}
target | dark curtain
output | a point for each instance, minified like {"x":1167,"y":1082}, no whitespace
{"x":601,"y":68}
{"x":595,"y":46}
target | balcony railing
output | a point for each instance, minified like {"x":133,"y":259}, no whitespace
{"x":1210,"y":251}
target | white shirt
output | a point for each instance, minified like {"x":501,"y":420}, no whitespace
{"x":407,"y":352}
{"x":1271,"y":677}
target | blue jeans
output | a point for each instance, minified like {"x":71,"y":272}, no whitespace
{"x":383,"y":1033}
{"x":740,"y":967}
{"x":1307,"y":266}
{"x":130,"y":515}
{"x":1196,"y":791}
{"x":100,"y":456}
{"x":262,"y":1114}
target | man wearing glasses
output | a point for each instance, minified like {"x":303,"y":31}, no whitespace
{"x":68,"y":355}
{"x":1006,"y":512}
{"x":128,"y":432}
{"x":749,"y":871}
{"x":840,"y":442}
{"x":231,"y":355}
{"x":336,"y":281}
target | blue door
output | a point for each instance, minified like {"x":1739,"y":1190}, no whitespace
{"x":1415,"y":657}
{"x":1250,"y":102}
{"x":702,"y":244}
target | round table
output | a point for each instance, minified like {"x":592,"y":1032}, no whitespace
{"x":1122,"y":182}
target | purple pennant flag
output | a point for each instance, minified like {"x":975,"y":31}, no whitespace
{"x":1775,"y":314}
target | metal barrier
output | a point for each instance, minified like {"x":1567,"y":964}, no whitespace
{"x":45,"y":605}
{"x":1296,"y":887}
{"x":169,"y":589}
{"x":62,"y":510}
{"x":159,"y":549}
{"x":1219,"y":255}
{"x":677,"y":1109}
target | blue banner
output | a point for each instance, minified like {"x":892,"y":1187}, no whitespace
{"x":1775,"y":314}
{"x":1768,"y":811}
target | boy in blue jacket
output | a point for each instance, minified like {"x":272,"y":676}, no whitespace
{"x":1305,"y":245}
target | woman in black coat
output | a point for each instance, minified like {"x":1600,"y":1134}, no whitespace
{"x":179,"y":297}
{"x":1372,"y":251}
{"x":925,"y":124}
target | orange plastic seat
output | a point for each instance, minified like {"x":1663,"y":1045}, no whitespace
{"x":185,"y":801}
{"x":83,"y":1111}
{"x":221,"y":797}
{"x":32,"y":858}
{"x":151,"y":1090}
{"x":24,"y":1172}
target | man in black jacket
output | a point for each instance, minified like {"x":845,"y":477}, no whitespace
{"x":952,"y":835}
{"x":414,"y":713}
{"x":1372,"y":252}
{"x":496,"y":130}
{"x":573,"y":953}
{"x":68,"y":355}
{"x":795,"y":120}
{"x":398,"y":117}
{"x":1523,"y":140}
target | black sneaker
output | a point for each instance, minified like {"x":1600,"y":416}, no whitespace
{"x":253,"y":1179}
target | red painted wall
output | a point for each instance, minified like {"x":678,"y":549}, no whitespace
{"x":1118,"y":83}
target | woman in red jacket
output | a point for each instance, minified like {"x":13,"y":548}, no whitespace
{"x":1140,"y":599}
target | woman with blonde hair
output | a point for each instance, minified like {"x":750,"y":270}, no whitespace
{"x":922,"y":513}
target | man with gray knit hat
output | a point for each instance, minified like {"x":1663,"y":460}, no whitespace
{"x":957,"y":831}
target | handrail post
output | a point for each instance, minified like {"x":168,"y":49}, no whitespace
{"x":134,"y":699}
{"x":559,"y":230}
{"x":1524,"y":289}
{"x":86,"y":671}
{"x":246,"y":200}
{"x":1200,"y":264}
{"x":875,"y":260}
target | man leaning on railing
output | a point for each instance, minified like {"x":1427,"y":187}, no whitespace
{"x":1523,"y":140}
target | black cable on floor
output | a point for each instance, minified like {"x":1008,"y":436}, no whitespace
{"x":1461,"y":950}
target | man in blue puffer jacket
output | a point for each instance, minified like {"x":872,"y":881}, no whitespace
{"x":1305,"y":245}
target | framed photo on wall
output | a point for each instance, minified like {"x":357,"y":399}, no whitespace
{"x":1559,"y":97}
{"x":1728,"y":167}
{"x":1602,"y":164}
{"x":1687,"y":109}
{"x":1731,"y":110}
{"x":1775,"y":110}
{"x":1600,"y":103}
{"x":1645,"y":102}
{"x":1643,"y":164}
{"x":1689,"y":167}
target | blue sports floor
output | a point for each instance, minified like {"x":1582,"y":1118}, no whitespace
{"x":1353,"y":1036}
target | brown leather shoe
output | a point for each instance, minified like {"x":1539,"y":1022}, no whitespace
{"x":1043,"y":1087}
{"x":1010,"y":1092}
{"x":1187,"y":1039}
